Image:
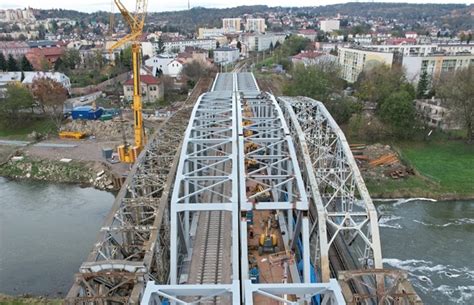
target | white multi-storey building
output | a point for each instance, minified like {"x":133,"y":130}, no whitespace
{"x":180,"y":45}
{"x":435,"y":65}
{"x":256,"y":25}
{"x":231,"y":25}
{"x":204,"y":33}
{"x":354,"y":61}
{"x":262,"y":42}
{"x":226,"y":55}
{"x":329,"y":25}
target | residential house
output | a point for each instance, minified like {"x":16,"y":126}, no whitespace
{"x":435,"y":115}
{"x":44,"y":58}
{"x":61,"y":78}
{"x":159,"y":64}
{"x":15,"y":48}
{"x":152,"y":89}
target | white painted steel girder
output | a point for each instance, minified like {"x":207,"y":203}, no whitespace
{"x":343,"y":204}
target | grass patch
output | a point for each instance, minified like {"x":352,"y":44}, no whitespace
{"x":20,"y":132}
{"x":446,"y":168}
{"x":449,"y":163}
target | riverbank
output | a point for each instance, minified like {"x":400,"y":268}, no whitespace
{"x":27,"y":300}
{"x":93,"y":174}
{"x":444,"y":170}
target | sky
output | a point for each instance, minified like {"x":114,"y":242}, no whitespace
{"x":158,"y":6}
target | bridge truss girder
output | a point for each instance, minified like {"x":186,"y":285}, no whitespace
{"x":340,"y":198}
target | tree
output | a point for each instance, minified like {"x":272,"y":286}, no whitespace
{"x":398,"y":111}
{"x":12,"y":64}
{"x":25,"y":64}
{"x":160,"y":46}
{"x":194,"y":70}
{"x":218,"y":44}
{"x":457,"y":92}
{"x":17,"y":98}
{"x":239,"y":46}
{"x":71,"y":58}
{"x":3,"y":62}
{"x":318,"y":82}
{"x":54,"y":26}
{"x":126,"y":57}
{"x":423,"y":85}
{"x":51,"y":96}
{"x":378,"y":82}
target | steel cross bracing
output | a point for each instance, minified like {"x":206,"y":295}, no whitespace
{"x":211,"y":178}
{"x":266,"y":144}
{"x":343,"y":205}
{"x":132,"y":246}
{"x":204,"y":242}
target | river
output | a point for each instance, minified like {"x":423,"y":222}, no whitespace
{"x":434,"y":243}
{"x":47,"y":230}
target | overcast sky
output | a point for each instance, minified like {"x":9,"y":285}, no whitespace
{"x":156,"y":5}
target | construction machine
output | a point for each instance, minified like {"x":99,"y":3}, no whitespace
{"x":128,"y":153}
{"x":267,"y":242}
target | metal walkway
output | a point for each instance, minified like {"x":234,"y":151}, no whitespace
{"x":249,"y":164}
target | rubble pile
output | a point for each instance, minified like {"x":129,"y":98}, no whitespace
{"x":102,"y":130}
{"x":95,"y":175}
{"x":379,"y":161}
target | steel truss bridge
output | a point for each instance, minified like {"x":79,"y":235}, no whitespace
{"x":181,"y":228}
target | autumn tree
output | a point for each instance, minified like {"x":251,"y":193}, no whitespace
{"x":456,"y":89}
{"x":51,"y":96}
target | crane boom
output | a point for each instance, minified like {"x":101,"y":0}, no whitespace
{"x":136,"y":22}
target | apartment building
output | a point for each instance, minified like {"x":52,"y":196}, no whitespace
{"x":329,"y":25}
{"x":354,"y":61}
{"x":204,"y":33}
{"x":261,"y":43}
{"x":255,"y":25}
{"x":231,"y":25}
{"x":226,"y":55}
{"x":180,"y":45}
{"x":435,"y":65}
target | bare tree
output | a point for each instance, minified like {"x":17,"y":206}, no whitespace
{"x":456,"y":89}
{"x":51,"y":96}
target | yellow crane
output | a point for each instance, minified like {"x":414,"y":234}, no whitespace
{"x":136,"y":22}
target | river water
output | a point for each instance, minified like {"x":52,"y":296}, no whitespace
{"x":434,"y":243}
{"x":47,"y":230}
